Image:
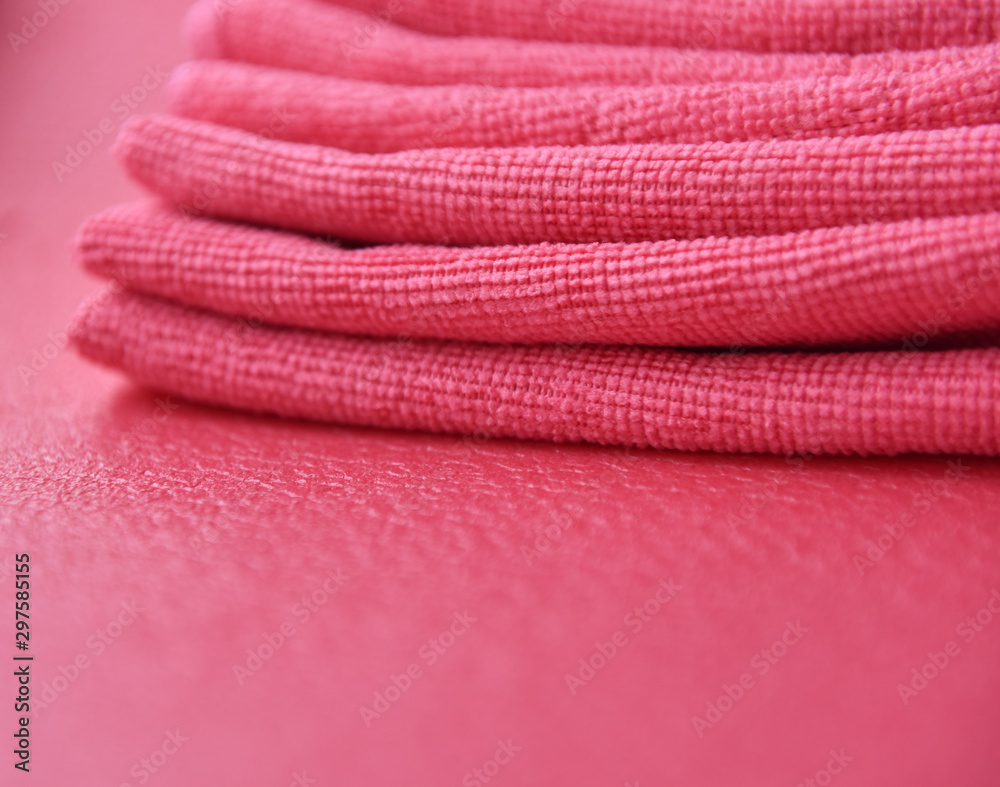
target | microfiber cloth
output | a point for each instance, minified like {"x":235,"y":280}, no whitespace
{"x":786,"y":403}
{"x":367,"y":117}
{"x":861,"y":285}
{"x":321,"y":37}
{"x":579,"y":194}
{"x":761,"y":25}
{"x":510,"y":256}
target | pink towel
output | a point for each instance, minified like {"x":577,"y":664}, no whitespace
{"x":892,"y":282}
{"x":863,"y":403}
{"x":549,"y":232}
{"x":367,"y":117}
{"x":318,"y":36}
{"x":754,"y":25}
{"x":564,"y":194}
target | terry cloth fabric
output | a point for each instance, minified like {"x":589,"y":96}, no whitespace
{"x":807,"y":220}
{"x":865,"y":284}
{"x":317,"y":36}
{"x":864,"y":403}
{"x":367,"y":117}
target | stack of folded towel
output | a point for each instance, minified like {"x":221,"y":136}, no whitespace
{"x":727,"y":225}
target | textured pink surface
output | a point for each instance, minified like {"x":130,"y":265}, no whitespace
{"x":798,"y":403}
{"x":872,"y":283}
{"x":218,"y":523}
{"x":321,"y":37}
{"x":378,"y":118}
{"x":580,"y":194}
{"x":766,"y":25}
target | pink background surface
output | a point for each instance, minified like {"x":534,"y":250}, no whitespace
{"x":216,"y":525}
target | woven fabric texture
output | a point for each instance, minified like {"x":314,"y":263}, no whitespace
{"x":317,"y":36}
{"x":855,"y":403}
{"x":494,"y":218}
{"x":888,"y":282}
{"x":368,"y":117}
{"x":580,"y":194}
{"x":762,"y":25}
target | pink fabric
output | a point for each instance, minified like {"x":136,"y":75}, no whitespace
{"x":574,"y":195}
{"x":901,"y":282}
{"x":860,"y":403}
{"x":216,"y":523}
{"x":573,"y":224}
{"x":376,"y":118}
{"x":762,"y":25}
{"x":317,"y":36}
